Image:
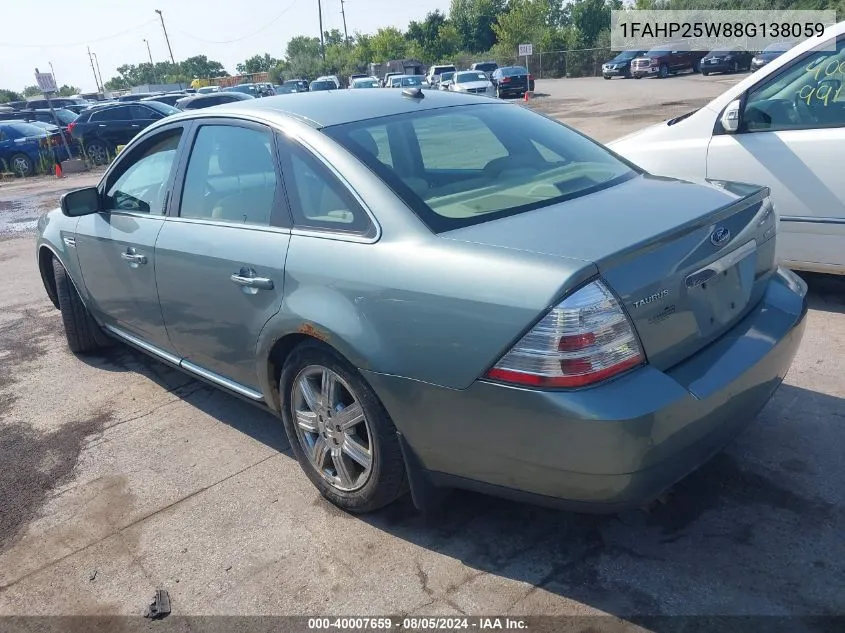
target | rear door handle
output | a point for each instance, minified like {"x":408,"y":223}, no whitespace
{"x":247,"y":278}
{"x":134,"y":259}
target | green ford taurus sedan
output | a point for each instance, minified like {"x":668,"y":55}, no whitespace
{"x":435,"y":290}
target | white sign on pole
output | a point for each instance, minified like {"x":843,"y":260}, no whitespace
{"x":526,"y":49}
{"x":46,"y":82}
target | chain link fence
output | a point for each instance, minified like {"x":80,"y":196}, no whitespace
{"x":584,"y":62}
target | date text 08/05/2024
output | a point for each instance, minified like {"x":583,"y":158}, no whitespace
{"x":416,"y":623}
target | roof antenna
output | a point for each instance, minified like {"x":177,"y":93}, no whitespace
{"x":413,"y":93}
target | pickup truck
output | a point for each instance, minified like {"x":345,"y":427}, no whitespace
{"x":665,"y":60}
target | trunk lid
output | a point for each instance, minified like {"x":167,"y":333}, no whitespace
{"x":687,"y":260}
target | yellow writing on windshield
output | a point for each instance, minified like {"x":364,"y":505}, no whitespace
{"x":826,"y":75}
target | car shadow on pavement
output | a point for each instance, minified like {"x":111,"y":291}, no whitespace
{"x":242,"y":416}
{"x":827,"y":292}
{"x":754,"y":531}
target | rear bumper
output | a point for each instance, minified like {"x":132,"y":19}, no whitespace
{"x":610,"y":447}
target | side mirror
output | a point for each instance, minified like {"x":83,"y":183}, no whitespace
{"x":730,"y":117}
{"x":81,"y":202}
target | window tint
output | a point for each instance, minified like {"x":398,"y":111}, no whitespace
{"x":318,"y":199}
{"x":111,"y":114}
{"x":808,"y":94}
{"x":143,"y":184}
{"x":231,"y":176}
{"x":456,"y":141}
{"x":481,"y":162}
{"x":143,"y":113}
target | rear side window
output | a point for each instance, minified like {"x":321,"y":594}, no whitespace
{"x":318,"y":199}
{"x":143,"y":113}
{"x":111,"y":114}
{"x":480,"y":162}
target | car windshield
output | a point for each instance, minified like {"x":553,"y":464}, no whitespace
{"x":626,"y":55}
{"x":510,"y":160}
{"x":411,"y":81}
{"x":446,"y":76}
{"x":462,"y":78}
{"x":365,"y":83}
{"x":24,"y":129}
{"x":778,"y":47}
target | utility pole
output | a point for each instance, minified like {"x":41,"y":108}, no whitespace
{"x":166,"y":39}
{"x":97,"y":61}
{"x":343,"y":13}
{"x":152,"y":65}
{"x":53,"y":72}
{"x":322,"y":40}
{"x":93,"y":70}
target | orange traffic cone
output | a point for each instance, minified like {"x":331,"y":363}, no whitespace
{"x":527,"y":97}
{"x":59,"y":173}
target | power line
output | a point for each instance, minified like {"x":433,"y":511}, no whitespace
{"x":82,"y":43}
{"x":247,"y":36}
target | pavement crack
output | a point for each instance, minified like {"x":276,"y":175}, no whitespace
{"x":423,"y":578}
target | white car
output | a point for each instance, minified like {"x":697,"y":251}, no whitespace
{"x":333,"y":78}
{"x":205,"y":90}
{"x":473,"y":82}
{"x":783,"y":127}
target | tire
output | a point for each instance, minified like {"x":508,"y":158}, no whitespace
{"x":704,"y":73}
{"x":638,"y":76}
{"x":22,"y":165}
{"x":82,"y":332}
{"x":627,"y":74}
{"x":364,"y":490}
{"x":663,"y":72}
{"x":606,"y":77}
{"x":98,"y":152}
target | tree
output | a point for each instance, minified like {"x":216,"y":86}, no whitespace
{"x":257,"y":64}
{"x":302,"y":45}
{"x":9,"y":95}
{"x":199,"y":67}
{"x":388,"y":43}
{"x":31,"y":91}
{"x":590,"y":17}
{"x":68,"y":91}
{"x":474,"y":20}
{"x":526,"y":22}
{"x":433,"y":39}
{"x":333,"y":37}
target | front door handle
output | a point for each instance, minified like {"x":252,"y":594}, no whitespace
{"x":247,"y":278}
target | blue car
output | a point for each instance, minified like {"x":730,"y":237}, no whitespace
{"x":24,"y":146}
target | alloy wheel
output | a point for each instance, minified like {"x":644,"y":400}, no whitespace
{"x":332,"y":428}
{"x":98,"y":154}
{"x":20,"y":165}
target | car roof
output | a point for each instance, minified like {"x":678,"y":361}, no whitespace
{"x":336,"y":107}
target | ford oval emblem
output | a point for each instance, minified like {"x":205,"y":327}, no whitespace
{"x":720,"y":236}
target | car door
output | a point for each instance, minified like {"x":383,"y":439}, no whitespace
{"x":142,"y":117}
{"x":791,"y":138}
{"x":116,"y":248}
{"x":220,"y":256}
{"x":113,"y":125}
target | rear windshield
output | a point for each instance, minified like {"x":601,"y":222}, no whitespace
{"x":513,"y":71}
{"x":486,"y":67}
{"x":442,"y":69}
{"x":509,"y":160}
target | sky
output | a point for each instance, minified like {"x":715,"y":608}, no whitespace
{"x":34,"y":34}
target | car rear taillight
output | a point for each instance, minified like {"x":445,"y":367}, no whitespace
{"x":70,"y":127}
{"x":505,"y":80}
{"x":583,"y":340}
{"x":530,"y":77}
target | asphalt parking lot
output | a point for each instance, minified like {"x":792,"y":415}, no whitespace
{"x":119,"y":475}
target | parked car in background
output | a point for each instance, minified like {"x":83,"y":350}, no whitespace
{"x":620,"y":66}
{"x":18,"y":105}
{"x":726,"y":60}
{"x":205,"y":90}
{"x":333,"y":78}
{"x":170,"y":98}
{"x":434,"y":72}
{"x":486,"y":67}
{"x":783,"y":127}
{"x":253,"y":90}
{"x":355,"y":76}
{"x":66,"y":117}
{"x":769,"y":54}
{"x":445,"y":79}
{"x":77,"y":108}
{"x":57,"y":102}
{"x":665,"y":60}
{"x":408,"y":81}
{"x":25,"y":147}
{"x":198,"y":102}
{"x":364,"y":82}
{"x":512,"y":81}
{"x":286,"y":89}
{"x":387,"y":77}
{"x":472,"y":82}
{"x":301,"y":84}
{"x":101,"y":130}
{"x":272,"y":248}
{"x":137,"y":96}
{"x":322,"y":84}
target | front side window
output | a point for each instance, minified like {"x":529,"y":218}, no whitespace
{"x":143,"y":113}
{"x":120,"y":113}
{"x":478,"y":162}
{"x":141,"y":186}
{"x":808,"y":94}
{"x":231,"y":176}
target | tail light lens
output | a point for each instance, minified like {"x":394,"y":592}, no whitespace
{"x":585,"y":339}
{"x":70,"y":127}
{"x":505,"y":80}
